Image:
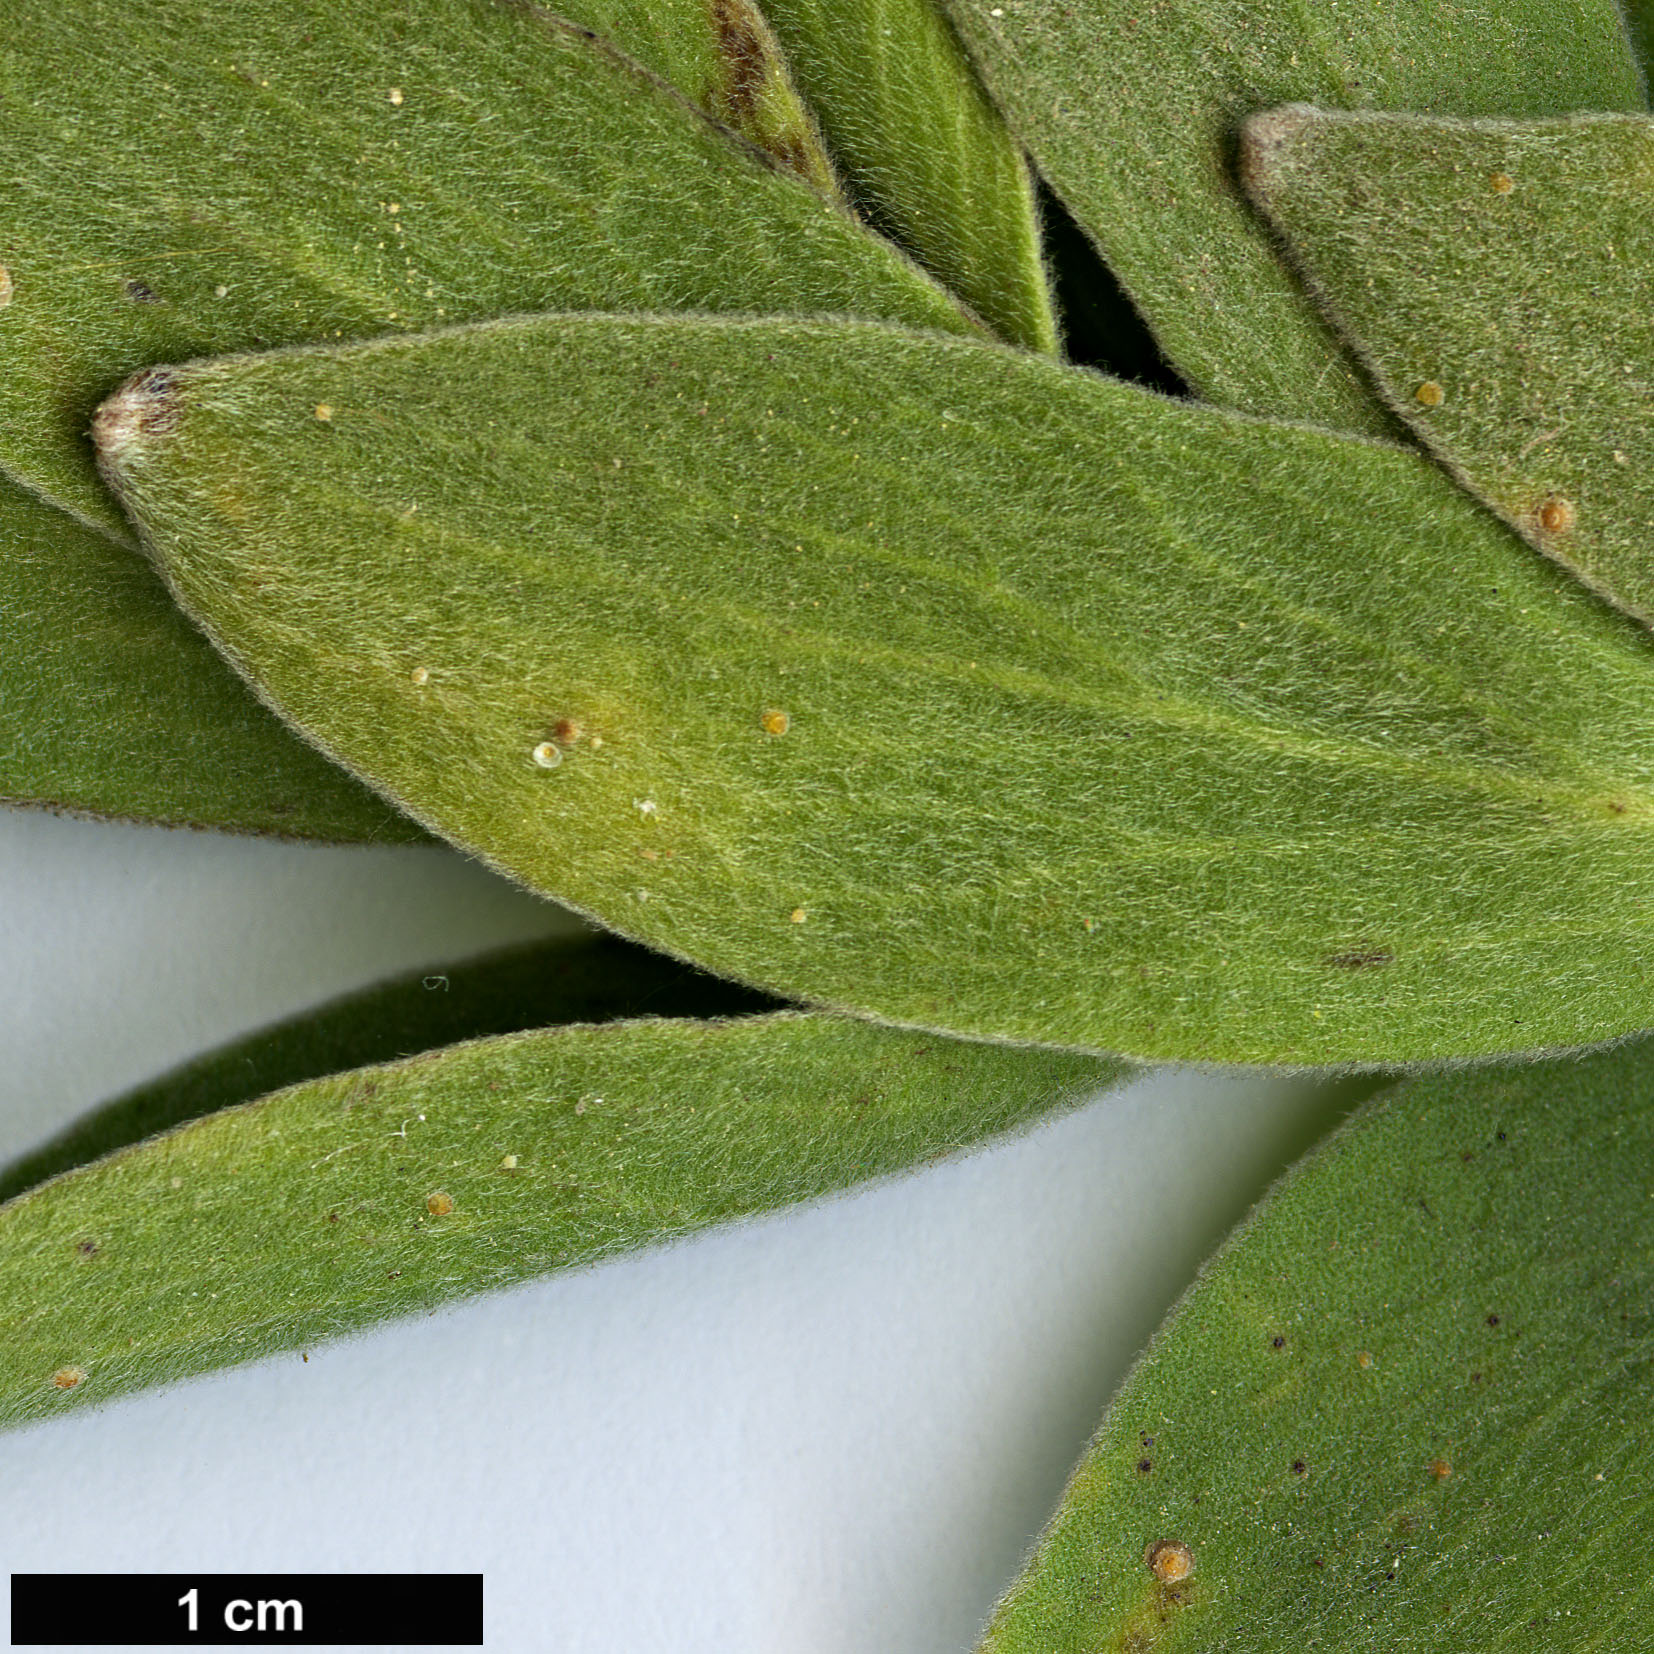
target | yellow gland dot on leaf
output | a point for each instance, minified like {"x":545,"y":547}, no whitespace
{"x":1429,"y":394}
{"x":775,"y":722}
{"x":439,"y":1203}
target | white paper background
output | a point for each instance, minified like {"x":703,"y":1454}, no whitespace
{"x":834,"y":1431}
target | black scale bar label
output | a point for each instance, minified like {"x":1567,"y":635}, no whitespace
{"x":246,"y":1610}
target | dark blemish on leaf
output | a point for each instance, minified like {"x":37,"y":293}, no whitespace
{"x":1616,"y":807}
{"x":747,"y":63}
{"x":1318,"y":1563}
{"x":1493,"y":1320}
{"x":393,"y":1275}
{"x":1360,"y":959}
{"x":1169,"y":1560}
{"x":1147,"y":1441}
{"x":1556,"y":515}
{"x":140,"y":292}
{"x":1500,"y":1135}
{"x":1144,"y":1466}
{"x":565,"y":732}
{"x":87,"y":1248}
{"x":1278,"y":1342}
{"x":1298,"y":1467}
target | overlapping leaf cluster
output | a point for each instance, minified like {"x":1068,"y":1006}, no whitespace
{"x":648,"y":447}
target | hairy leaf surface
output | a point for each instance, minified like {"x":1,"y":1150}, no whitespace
{"x":1130,"y":111}
{"x":112,"y":704}
{"x":568,"y":979}
{"x":1498,"y":280}
{"x":938,"y":681}
{"x":344,"y":1201}
{"x":1410,"y":1404}
{"x":924,"y":153}
{"x":256,"y":174}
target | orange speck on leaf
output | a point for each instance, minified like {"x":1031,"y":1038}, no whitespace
{"x":1556,"y":515}
{"x":775,"y":722}
{"x":1169,"y":1560}
{"x":68,"y":1378}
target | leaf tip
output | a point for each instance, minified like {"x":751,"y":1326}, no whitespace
{"x":142,"y":409}
{"x":1265,"y":139}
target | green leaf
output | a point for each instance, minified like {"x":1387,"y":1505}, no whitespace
{"x":568,"y":979}
{"x":1130,"y":110}
{"x":936,"y":680}
{"x":1410,"y":1404}
{"x":239,"y":174}
{"x":1494,"y":278}
{"x":112,"y":704}
{"x":925,"y":154}
{"x":723,"y":55}
{"x":344,"y":1201}
{"x":1639,"y":25}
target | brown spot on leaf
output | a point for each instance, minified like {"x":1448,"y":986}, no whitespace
{"x":439,"y":1203}
{"x":565,"y":732}
{"x":1169,"y":1560}
{"x":1557,"y":515}
{"x":87,"y":1248}
{"x":748,"y":61}
{"x":140,"y":292}
{"x":1360,"y":959}
{"x":69,"y":1378}
{"x":1440,"y":1470}
{"x":1501,"y":183}
{"x":1144,"y":1466}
